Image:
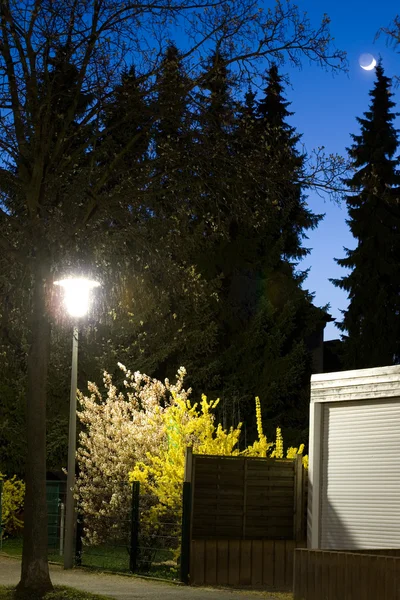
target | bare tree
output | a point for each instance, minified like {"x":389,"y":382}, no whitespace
{"x":59,"y":62}
{"x":392,"y":31}
{"x":392,"y":34}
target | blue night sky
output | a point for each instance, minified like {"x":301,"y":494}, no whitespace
{"x":326,"y":108}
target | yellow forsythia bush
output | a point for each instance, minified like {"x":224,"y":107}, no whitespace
{"x":186,"y":424}
{"x":12,"y":504}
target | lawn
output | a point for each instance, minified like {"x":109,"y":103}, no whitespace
{"x":13,"y":547}
{"x":59,"y":593}
{"x":108,"y":558}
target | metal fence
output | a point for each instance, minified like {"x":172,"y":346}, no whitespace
{"x":137,"y":535}
{"x":156,"y":537}
{"x":103,"y":538}
{"x":55,"y":495}
{"x":143,"y":537}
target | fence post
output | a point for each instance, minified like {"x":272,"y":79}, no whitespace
{"x":185,"y":542}
{"x":186,"y":517}
{"x":62,"y":527}
{"x":134,"y":526}
{"x":78,"y":540}
{"x":298,"y":499}
{"x":1,"y":513}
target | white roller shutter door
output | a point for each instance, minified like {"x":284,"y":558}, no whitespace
{"x":360,"y":475}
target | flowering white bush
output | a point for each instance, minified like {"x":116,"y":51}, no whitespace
{"x":119,"y":430}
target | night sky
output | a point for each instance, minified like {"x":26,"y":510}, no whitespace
{"x":326,"y":108}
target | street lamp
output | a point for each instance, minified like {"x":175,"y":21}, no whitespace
{"x":77,"y":300}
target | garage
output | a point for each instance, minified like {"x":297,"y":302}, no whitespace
{"x":354,"y":474}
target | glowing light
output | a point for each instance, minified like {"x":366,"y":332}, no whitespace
{"x":77,"y":294}
{"x":367,"y":62}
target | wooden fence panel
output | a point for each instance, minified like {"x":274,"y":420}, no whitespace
{"x":247,"y":498}
{"x":223,"y":560}
{"x":289,"y":562}
{"x":248,"y":516}
{"x":233,"y":564}
{"x":280,"y":564}
{"x":210,"y":568}
{"x":337,"y":575}
{"x":245,"y":562}
{"x":256,"y":563}
{"x":197,"y":566}
{"x":268,"y":562}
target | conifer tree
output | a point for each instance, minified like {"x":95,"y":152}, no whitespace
{"x":218,"y":197}
{"x":283,"y":317}
{"x":264,"y":317}
{"x":164,"y":318}
{"x":371,"y":321}
{"x":128,"y":99}
{"x":170,"y":135}
{"x":284,"y":164}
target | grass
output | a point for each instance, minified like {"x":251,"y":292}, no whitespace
{"x":116,"y":559}
{"x":269,"y":595}
{"x":107,"y":558}
{"x":281,"y":596}
{"x":59,"y":593}
{"x":12,"y":546}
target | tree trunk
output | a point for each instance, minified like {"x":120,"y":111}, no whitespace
{"x":35,"y":578}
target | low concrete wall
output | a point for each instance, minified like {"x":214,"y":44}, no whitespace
{"x":344,"y":575}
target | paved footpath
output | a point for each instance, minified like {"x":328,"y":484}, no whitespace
{"x":125,"y":588}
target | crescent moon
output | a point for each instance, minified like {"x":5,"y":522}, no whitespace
{"x":369,"y":65}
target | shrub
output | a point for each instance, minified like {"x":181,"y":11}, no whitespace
{"x":12,"y":504}
{"x":141,"y":434}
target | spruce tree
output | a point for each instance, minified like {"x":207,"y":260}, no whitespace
{"x":264,"y":317}
{"x":126,"y":121}
{"x":276,"y":337}
{"x":283,"y":164}
{"x":164,"y":319}
{"x":216,"y":121}
{"x":170,"y":135}
{"x":371,"y":321}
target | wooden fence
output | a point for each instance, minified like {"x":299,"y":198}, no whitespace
{"x":344,"y":575}
{"x":248,"y":516}
{"x":247,"y":498}
{"x":256,"y":563}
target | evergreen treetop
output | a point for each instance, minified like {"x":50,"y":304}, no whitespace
{"x":371,"y":321}
{"x":279,"y":141}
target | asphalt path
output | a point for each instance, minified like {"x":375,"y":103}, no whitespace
{"x":130,"y":587}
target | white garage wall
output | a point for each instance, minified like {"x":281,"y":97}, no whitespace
{"x":354,"y":478}
{"x":360,"y":478}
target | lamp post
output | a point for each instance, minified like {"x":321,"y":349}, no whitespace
{"x":77,"y":298}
